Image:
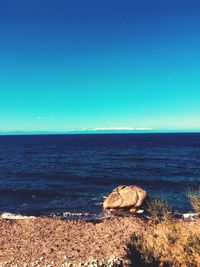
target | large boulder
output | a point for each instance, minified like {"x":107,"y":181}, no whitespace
{"x":125,"y":197}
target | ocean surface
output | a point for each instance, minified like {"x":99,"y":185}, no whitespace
{"x":66,"y":174}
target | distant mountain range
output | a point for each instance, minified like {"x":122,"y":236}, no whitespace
{"x":100,"y":131}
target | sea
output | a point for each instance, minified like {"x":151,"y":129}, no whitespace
{"x":64,"y":175}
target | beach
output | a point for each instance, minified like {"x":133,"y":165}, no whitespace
{"x":53,"y":242}
{"x":48,"y":242}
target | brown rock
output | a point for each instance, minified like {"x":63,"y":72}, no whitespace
{"x":125,"y":197}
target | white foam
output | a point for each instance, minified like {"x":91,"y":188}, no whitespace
{"x":11,"y":216}
{"x":98,"y":203}
{"x":139,"y":211}
{"x":68,"y":214}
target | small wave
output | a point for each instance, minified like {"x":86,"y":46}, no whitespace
{"x":85,"y":216}
{"x":12,"y":216}
{"x":71,"y":214}
{"x":98,"y":204}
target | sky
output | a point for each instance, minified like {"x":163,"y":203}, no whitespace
{"x":126,"y":65}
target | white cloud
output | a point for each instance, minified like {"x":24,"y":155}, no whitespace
{"x":119,"y":129}
{"x":113,"y":129}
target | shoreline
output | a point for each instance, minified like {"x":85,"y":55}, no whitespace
{"x":49,"y":242}
{"x":54,"y":242}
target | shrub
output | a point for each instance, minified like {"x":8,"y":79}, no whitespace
{"x":169,"y":244}
{"x":194,"y":197}
{"x":158,"y":210}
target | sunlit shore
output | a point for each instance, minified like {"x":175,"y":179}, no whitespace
{"x":116,"y":241}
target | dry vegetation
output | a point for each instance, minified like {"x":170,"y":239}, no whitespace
{"x":166,"y":241}
{"x":158,"y":210}
{"x":170,"y":244}
{"x":194,"y":197}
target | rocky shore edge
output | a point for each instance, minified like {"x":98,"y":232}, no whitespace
{"x":126,"y":236}
{"x":49,"y":242}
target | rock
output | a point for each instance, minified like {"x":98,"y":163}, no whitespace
{"x":125,"y":197}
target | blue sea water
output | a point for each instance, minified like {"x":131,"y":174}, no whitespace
{"x":53,"y":174}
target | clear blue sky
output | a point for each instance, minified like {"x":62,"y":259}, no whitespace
{"x":99,"y":64}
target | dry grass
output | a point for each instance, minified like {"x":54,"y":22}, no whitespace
{"x":158,"y":210}
{"x":170,"y":244}
{"x":194,"y":197}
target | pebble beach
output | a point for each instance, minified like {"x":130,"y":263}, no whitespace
{"x":52,"y":242}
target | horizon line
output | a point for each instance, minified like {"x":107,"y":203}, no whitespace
{"x":78,"y":132}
